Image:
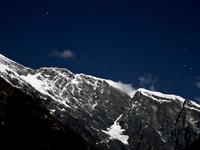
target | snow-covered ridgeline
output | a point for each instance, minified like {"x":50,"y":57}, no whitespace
{"x":160,"y":96}
{"x":45,"y":80}
{"x":45,"y":85}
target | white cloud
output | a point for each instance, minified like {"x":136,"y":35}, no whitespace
{"x":66,"y":54}
{"x":197,"y":85}
{"x":152,"y":88}
{"x":147,"y":81}
{"x":127,"y":88}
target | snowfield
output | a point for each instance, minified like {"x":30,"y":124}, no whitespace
{"x":116,"y":132}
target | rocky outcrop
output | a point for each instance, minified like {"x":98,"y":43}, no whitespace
{"x":156,"y":122}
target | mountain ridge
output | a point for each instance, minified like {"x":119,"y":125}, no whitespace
{"x":117,"y":85}
{"x":112,"y":115}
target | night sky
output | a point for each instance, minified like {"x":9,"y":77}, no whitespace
{"x":154,"y":44}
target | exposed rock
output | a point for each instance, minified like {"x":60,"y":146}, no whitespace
{"x":25,"y":124}
{"x":101,"y":111}
{"x":161,"y":123}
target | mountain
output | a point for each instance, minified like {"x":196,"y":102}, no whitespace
{"x":25,"y":124}
{"x":107,"y":114}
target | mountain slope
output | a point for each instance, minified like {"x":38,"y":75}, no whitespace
{"x":24,"y":123}
{"x":162,"y":121}
{"x":109,"y":114}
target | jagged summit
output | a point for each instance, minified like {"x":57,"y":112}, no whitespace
{"x":37,"y":77}
{"x":110,"y":114}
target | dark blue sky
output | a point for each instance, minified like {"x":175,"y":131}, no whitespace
{"x":153,"y":44}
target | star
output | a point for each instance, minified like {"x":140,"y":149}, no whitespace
{"x":149,"y":40}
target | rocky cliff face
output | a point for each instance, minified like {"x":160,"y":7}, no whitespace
{"x":106,"y":114}
{"x":158,"y":121}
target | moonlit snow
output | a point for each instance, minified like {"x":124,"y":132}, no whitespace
{"x":166,"y":97}
{"x":115,"y":132}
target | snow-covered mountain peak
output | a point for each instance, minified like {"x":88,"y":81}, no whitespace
{"x":160,"y":97}
{"x":38,"y":78}
{"x":103,"y":110}
{"x":46,"y":79}
{"x":59,"y":84}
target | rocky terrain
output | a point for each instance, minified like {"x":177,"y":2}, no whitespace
{"x":57,"y":104}
{"x":24,"y":123}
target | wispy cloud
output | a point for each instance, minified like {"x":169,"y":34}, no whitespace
{"x":127,"y":88}
{"x":147,"y":81}
{"x":197,"y":99}
{"x":66,"y":54}
{"x":197,"y":84}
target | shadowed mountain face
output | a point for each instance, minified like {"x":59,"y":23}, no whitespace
{"x":24,"y":123}
{"x":61,"y":107}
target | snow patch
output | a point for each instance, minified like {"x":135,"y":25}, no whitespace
{"x":115,"y":131}
{"x":193,"y":108}
{"x":161,"y":136}
{"x":63,"y":109}
{"x":75,"y":81}
{"x":41,"y":86}
{"x":94,"y":105}
{"x":3,"y":68}
{"x":32,"y":79}
{"x":195,"y":104}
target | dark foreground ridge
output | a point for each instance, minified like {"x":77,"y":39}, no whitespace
{"x":24,"y":123}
